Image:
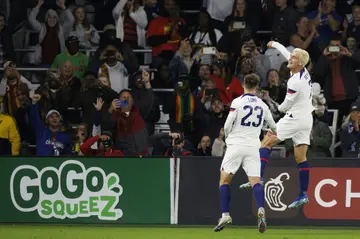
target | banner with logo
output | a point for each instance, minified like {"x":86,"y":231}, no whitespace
{"x":87,"y":190}
{"x":334,"y":193}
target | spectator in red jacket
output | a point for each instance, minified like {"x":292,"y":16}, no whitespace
{"x":105,"y":147}
{"x":165,"y":32}
{"x":131,"y":134}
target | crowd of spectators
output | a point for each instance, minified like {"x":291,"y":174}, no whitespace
{"x":105,"y":104}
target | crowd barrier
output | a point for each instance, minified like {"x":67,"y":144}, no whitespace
{"x":168,"y":191}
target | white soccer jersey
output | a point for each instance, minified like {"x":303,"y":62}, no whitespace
{"x":245,"y":121}
{"x":299,"y":91}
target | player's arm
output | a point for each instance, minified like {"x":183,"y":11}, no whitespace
{"x":230,"y":120}
{"x":291,"y":94}
{"x":280,"y":48}
{"x":270,"y":120}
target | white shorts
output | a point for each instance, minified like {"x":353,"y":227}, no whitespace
{"x":298,"y":130}
{"x":247,"y":157}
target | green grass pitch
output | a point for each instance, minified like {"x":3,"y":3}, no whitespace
{"x":122,"y":232}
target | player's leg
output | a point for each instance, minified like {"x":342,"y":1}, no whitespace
{"x":251,"y":166}
{"x":229,"y":166}
{"x":301,"y":141}
{"x":268,"y":142}
{"x":300,"y":152}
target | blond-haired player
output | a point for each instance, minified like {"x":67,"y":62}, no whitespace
{"x":298,"y":120}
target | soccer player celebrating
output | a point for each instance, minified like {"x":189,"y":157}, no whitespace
{"x":242,"y":126}
{"x":297,"y":122}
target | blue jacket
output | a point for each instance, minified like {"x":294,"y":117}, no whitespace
{"x":45,"y":138}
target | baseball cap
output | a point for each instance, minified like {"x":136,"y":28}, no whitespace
{"x":355,"y":106}
{"x":51,"y":112}
{"x":72,"y":39}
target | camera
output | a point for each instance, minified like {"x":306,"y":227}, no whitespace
{"x":178,"y":141}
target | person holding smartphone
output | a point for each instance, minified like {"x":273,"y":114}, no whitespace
{"x":131,"y":135}
{"x":335,"y":72}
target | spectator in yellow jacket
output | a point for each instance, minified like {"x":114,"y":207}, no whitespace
{"x":9,"y":136}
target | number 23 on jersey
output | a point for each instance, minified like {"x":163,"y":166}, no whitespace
{"x":257,"y":110}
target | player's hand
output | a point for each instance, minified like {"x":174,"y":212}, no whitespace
{"x":270,"y":44}
{"x":36,"y":98}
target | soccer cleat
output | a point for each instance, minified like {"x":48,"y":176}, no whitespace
{"x":223,"y":222}
{"x":299,"y":201}
{"x":261,"y":220}
{"x":247,"y":186}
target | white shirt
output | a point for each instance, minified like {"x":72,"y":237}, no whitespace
{"x":118,"y":77}
{"x":201,"y":38}
{"x":298,"y":100}
{"x":245,"y":121}
{"x":219,"y":10}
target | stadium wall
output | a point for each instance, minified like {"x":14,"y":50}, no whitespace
{"x":334,"y":193}
{"x":169,"y":191}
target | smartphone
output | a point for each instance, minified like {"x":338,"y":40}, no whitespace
{"x":239,"y":25}
{"x":212,"y":92}
{"x":209,"y":50}
{"x":334,"y":49}
{"x":122,"y":103}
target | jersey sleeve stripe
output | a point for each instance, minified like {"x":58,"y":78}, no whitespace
{"x":290,"y":91}
{"x":232,"y":109}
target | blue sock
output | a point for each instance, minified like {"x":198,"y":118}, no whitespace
{"x":264,"y":157}
{"x":225,"y":197}
{"x":258,"y":190}
{"x":304,"y":173}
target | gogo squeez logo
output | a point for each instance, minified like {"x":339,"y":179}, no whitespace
{"x":72,"y":191}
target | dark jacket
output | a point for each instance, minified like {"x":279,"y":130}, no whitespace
{"x":350,"y":141}
{"x":86,"y":100}
{"x":145,"y":100}
{"x":7,"y":43}
{"x":214,"y":123}
{"x":25,"y":123}
{"x":323,"y":75}
{"x":321,"y":140}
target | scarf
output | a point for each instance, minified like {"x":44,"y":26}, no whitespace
{"x":184,"y":108}
{"x":11,"y":101}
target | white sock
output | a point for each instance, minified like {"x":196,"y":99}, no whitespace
{"x":225,"y":214}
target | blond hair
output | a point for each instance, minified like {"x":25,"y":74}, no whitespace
{"x":303,"y":56}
